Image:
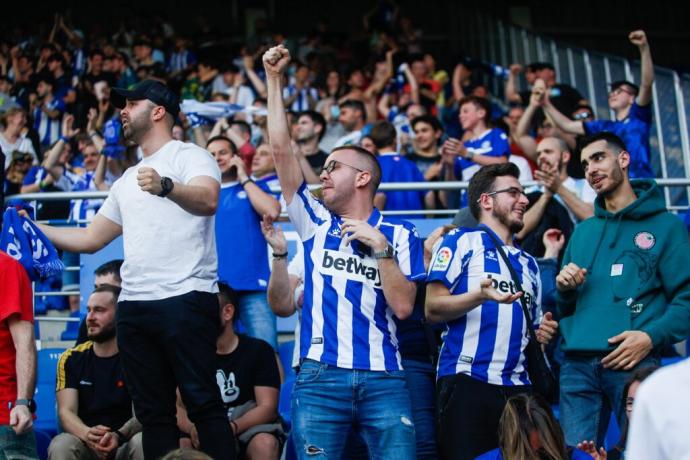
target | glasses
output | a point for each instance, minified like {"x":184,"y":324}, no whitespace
{"x":620,"y":89}
{"x":582,"y":116}
{"x":331,"y":165}
{"x":514,"y":192}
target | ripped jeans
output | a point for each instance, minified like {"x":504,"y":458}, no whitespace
{"x":328,"y":402}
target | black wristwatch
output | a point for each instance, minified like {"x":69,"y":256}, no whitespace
{"x":30,"y":403}
{"x":167,"y":185}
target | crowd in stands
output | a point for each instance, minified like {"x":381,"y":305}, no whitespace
{"x":608,"y":296}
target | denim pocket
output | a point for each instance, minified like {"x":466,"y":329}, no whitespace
{"x":309,"y":371}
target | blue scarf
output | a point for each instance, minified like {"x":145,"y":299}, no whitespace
{"x":21,"y":239}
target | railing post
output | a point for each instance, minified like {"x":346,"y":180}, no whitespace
{"x":683,"y":121}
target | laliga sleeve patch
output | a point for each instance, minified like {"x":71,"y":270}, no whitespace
{"x":645,"y":240}
{"x":443,"y":257}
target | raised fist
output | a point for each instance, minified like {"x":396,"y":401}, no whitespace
{"x":275,"y":60}
{"x":638,"y":38}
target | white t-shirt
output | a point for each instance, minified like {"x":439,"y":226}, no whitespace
{"x":523,"y":166}
{"x":168,"y":251}
{"x":661,"y":416}
{"x":22,"y":144}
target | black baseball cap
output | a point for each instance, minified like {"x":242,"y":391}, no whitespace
{"x":153,"y":90}
{"x":617,"y":84}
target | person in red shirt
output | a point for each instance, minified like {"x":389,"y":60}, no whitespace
{"x":17,"y":361}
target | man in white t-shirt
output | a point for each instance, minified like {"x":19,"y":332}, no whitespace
{"x":168,"y":311}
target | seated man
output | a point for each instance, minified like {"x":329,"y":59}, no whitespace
{"x":249,"y":384}
{"x":94,"y":406}
{"x":107,"y":273}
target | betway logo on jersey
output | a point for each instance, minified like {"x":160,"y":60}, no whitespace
{"x":508,"y":287}
{"x":350,"y":266}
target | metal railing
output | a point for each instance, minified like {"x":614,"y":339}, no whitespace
{"x":390,"y":186}
{"x":591,"y":72}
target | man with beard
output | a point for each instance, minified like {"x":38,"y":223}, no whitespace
{"x":470,"y":288}
{"x":561,"y":201}
{"x":360,"y":271}
{"x":168,"y":310}
{"x":623,"y":292}
{"x":94,"y":406}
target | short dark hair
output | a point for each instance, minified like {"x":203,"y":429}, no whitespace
{"x":479,"y":102}
{"x":375,"y":168}
{"x":111,"y":266}
{"x":244,"y":126}
{"x":383,"y":134}
{"x":429,"y":120}
{"x":228,"y":294}
{"x":96,"y":52}
{"x":315,"y":118}
{"x":612,"y":140}
{"x":632,"y":86}
{"x":233,"y":147}
{"x":483,"y":182}
{"x":355,"y":105}
{"x":114,"y":290}
{"x":46,"y":78}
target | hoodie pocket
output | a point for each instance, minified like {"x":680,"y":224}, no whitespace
{"x":630,"y":273}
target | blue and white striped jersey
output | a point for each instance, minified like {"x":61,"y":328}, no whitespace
{"x":488,"y":342}
{"x":301,"y":103}
{"x":346,"y":321}
{"x":48,"y":129}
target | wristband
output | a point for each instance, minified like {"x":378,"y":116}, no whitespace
{"x":93,"y":134}
{"x":42,"y":185}
{"x":121,"y":438}
{"x":64,"y":139}
{"x":280,"y":256}
{"x":247,"y":180}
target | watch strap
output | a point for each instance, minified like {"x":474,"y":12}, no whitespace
{"x":167,"y":186}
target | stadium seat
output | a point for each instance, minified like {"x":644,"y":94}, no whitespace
{"x":46,"y":413}
{"x":42,"y":442}
{"x":285,"y":351}
{"x":71,"y":331}
{"x":284,"y":402}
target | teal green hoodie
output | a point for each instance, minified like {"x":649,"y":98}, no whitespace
{"x":638,"y":275}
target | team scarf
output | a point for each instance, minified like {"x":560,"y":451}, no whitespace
{"x":207,"y":113}
{"x":22,"y":240}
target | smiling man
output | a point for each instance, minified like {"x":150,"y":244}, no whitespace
{"x":360,"y":271}
{"x":624,"y":290}
{"x":470,"y":288}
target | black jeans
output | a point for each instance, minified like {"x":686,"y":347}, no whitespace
{"x":468,"y":415}
{"x":171,"y":343}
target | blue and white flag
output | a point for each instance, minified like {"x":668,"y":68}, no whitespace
{"x":22,"y":240}
{"x":200,"y":113}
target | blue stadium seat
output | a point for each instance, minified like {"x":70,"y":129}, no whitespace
{"x":42,"y":442}
{"x":284,"y":402}
{"x":46,"y":414}
{"x":71,"y":331}
{"x":285,"y":351}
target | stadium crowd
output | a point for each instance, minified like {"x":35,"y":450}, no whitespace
{"x":406,"y":347}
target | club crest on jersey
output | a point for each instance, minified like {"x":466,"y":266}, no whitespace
{"x":350,"y":266}
{"x":443,"y":257}
{"x":645,"y":240}
{"x":491,"y":255}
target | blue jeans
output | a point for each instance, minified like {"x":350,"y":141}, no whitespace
{"x":17,"y":447}
{"x":328,"y":402}
{"x":589,"y":393}
{"x":421,"y":383}
{"x":257,"y":318}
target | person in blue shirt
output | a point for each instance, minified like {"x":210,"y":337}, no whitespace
{"x":47,"y":112}
{"x":241,"y":248}
{"x":528,"y":429}
{"x":395,"y":168}
{"x":470,"y":288}
{"x":632,"y":108}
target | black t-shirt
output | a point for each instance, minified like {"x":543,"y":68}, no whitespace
{"x":252,"y":364}
{"x":103,"y":395}
{"x":317,"y":160}
{"x":564,"y":98}
{"x":555,"y":216}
